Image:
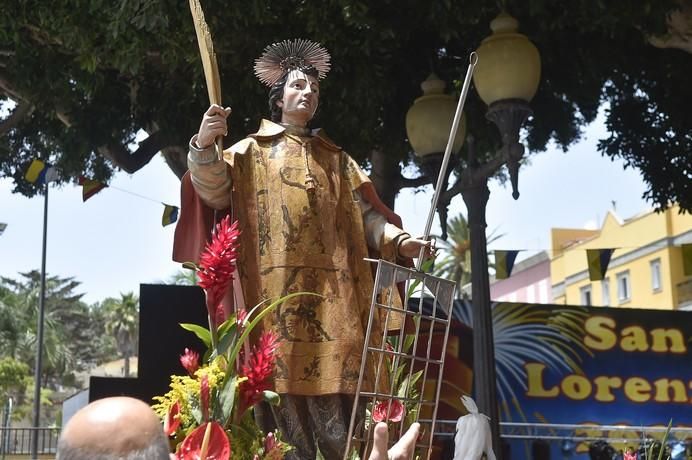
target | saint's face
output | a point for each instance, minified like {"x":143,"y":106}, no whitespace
{"x":300,"y":99}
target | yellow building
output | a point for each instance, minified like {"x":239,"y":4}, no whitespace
{"x":645,"y":270}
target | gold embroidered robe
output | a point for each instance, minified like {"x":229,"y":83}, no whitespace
{"x":296,"y":240}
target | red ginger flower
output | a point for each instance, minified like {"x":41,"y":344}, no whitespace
{"x":380,"y":412}
{"x":204,"y":396}
{"x":190,"y":361}
{"x":258,"y":369}
{"x":217,"y":263}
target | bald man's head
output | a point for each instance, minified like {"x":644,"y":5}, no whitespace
{"x":114,"y":428}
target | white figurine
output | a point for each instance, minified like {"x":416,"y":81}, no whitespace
{"x":473,"y":434}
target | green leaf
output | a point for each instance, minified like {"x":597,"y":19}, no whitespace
{"x":425,"y":268}
{"x":226,"y":325}
{"x":271,"y":397}
{"x":190,"y":266}
{"x":227,"y":398}
{"x":354,"y":454}
{"x":225,"y":342}
{"x":408,"y":341}
{"x":400,"y":370}
{"x":201,"y":332}
{"x":407,"y":387}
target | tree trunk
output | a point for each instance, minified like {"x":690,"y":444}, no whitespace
{"x":176,"y":159}
{"x":127,"y":365}
{"x":385,"y":176}
{"x":679,"y":29}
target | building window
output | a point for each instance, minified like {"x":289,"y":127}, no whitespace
{"x":655,"y":274}
{"x":585,"y":294}
{"x":605,"y":292}
{"x":624,"y":291}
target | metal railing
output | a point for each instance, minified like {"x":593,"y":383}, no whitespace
{"x":17,"y":441}
{"x":572,"y":432}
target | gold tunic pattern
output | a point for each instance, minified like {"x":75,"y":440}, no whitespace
{"x":296,"y":239}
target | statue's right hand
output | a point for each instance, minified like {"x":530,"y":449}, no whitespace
{"x":213,"y":125}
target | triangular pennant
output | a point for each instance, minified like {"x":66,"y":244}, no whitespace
{"x":598,"y":260}
{"x":40,"y":172}
{"x":504,"y":263}
{"x":90,"y":187}
{"x":687,"y":259}
{"x":170,"y":214}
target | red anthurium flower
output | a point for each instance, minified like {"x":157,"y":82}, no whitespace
{"x":206,"y":442}
{"x":217,"y":263}
{"x":172,"y":421}
{"x":190,"y":361}
{"x":204,"y":396}
{"x":258,"y":369}
{"x":396,"y":411}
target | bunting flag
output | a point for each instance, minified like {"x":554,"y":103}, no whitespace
{"x":40,"y":172}
{"x":687,"y":259}
{"x":170,"y":214}
{"x":598,"y":260}
{"x":504,"y":263}
{"x":2,"y":228}
{"x":90,"y":187}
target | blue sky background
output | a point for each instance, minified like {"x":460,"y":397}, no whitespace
{"x":115,"y":240}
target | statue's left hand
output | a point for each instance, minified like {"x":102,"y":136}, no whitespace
{"x":410,"y":247}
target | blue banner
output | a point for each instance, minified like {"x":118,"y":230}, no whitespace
{"x":576,"y":365}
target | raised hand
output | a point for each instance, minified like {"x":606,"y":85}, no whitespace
{"x":213,"y":125}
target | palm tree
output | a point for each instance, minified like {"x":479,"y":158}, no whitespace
{"x":183,"y":277}
{"x":123,"y":323}
{"x":19,"y":298}
{"x":455,"y":265}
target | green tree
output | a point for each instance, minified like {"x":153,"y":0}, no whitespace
{"x":73,"y":332}
{"x":58,"y":358}
{"x":455,"y":263}
{"x":183,"y":277}
{"x":13,"y":379}
{"x":122,"y":322}
{"x":86,"y":77}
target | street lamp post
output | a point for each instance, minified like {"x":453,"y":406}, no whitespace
{"x":428,"y":123}
{"x":506,"y":79}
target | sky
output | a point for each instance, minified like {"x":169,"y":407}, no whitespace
{"x":115,"y":241}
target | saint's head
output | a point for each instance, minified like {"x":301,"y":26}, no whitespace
{"x":292,"y":69}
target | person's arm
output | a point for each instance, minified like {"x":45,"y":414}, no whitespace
{"x":379,"y":232}
{"x":208,"y":173}
{"x":209,"y":176}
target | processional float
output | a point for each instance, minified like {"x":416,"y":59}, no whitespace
{"x":404,"y":349}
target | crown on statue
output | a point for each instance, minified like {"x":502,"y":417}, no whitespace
{"x":282,"y":57}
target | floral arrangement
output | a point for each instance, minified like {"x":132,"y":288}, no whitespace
{"x":208,"y":413}
{"x":403,"y":405}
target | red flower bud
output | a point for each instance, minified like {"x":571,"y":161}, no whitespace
{"x":190,"y":361}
